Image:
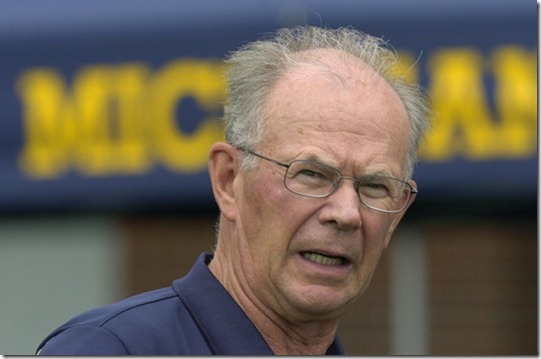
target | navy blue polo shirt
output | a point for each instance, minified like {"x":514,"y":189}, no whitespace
{"x":195,"y":316}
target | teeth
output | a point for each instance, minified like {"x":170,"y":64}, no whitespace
{"x":322,"y":259}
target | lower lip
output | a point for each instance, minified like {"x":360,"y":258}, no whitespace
{"x":335,"y":272}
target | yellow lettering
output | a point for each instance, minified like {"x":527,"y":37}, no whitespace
{"x":201,"y":80}
{"x":462,"y":123}
{"x":515,"y":76}
{"x":123,"y":119}
{"x":49,"y":126}
{"x":98,"y":127}
{"x":112,"y":120}
{"x":133,"y":154}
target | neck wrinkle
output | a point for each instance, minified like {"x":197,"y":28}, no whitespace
{"x":297,"y":340}
{"x":283,"y":335}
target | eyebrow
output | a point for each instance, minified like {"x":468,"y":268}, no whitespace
{"x":380,"y":173}
{"x":315,"y":158}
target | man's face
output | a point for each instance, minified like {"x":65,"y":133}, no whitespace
{"x":286,"y":246}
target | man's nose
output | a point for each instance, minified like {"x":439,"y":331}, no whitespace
{"x":343,"y":207}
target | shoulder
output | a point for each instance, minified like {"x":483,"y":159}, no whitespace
{"x":82,"y":340}
{"x":136,"y":307}
{"x":158,"y":317}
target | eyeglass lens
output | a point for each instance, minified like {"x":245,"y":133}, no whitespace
{"x":318,"y":180}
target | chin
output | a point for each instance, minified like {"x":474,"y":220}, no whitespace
{"x":322,"y":303}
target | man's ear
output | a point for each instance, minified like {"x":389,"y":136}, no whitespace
{"x":398,"y":216}
{"x":223,"y":169}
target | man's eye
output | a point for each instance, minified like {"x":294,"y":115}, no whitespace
{"x":307,"y":175}
{"x":374,"y":190}
{"x":310,"y":173}
{"x":312,"y":177}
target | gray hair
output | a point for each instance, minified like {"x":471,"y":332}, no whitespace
{"x":255,"y":68}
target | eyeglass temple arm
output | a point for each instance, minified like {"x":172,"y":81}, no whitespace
{"x":265,"y":158}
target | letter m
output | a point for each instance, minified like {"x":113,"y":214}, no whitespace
{"x":50,"y":129}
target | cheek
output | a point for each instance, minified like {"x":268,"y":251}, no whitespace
{"x":256,"y":192}
{"x":377,"y":229}
{"x":267,"y":230}
{"x":260,"y":211}
{"x":272,"y":215}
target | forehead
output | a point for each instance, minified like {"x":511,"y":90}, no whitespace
{"x":338,"y":77}
{"x":337,"y":103}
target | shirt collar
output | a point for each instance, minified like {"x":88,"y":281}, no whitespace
{"x":226,"y":327}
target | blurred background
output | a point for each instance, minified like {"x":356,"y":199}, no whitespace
{"x":107,"y":112}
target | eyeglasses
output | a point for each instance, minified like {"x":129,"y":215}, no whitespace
{"x":317,"y":180}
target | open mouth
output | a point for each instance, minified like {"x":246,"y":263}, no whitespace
{"x":324,"y":259}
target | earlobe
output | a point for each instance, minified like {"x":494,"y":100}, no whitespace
{"x":223,"y":169}
{"x":392,"y":227}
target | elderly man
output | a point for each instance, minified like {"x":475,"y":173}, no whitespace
{"x":313,"y":179}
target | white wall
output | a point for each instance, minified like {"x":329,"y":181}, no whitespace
{"x":51,"y":270}
{"x":409,"y":293}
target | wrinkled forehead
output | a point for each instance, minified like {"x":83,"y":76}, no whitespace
{"x":334,"y":97}
{"x":339,"y":81}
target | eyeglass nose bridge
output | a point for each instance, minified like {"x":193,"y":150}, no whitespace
{"x":336,"y":185}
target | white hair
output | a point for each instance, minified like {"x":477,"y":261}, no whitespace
{"x":255,"y":68}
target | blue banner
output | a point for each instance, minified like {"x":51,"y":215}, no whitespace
{"x":113,"y":105}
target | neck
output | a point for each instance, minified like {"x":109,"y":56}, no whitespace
{"x":304,"y":339}
{"x":284,"y":335}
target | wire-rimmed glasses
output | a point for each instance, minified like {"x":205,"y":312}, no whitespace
{"x":317,"y":180}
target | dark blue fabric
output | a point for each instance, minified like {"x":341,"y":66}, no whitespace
{"x":195,"y":316}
